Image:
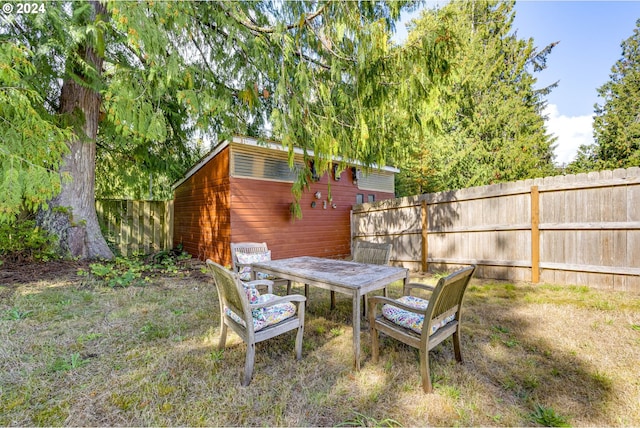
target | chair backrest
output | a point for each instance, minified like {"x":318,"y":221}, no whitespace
{"x":446,"y":298}
{"x":246,"y":248}
{"x":372,"y":253}
{"x":230,"y":290}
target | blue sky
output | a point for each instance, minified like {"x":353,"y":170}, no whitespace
{"x":590,"y":34}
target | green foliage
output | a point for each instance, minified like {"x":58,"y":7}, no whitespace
{"x":216,"y":356}
{"x":485,"y":124}
{"x":500,"y":329}
{"x":547,"y":416}
{"x":151,"y":331}
{"x":72,"y":362}
{"x":150,"y":104}
{"x":169,"y":76}
{"x":31,"y":141}
{"x":174,"y":74}
{"x":23,"y":240}
{"x":15,"y":314}
{"x":57,"y":107}
{"x":343,"y":86}
{"x":616,"y":129}
{"x":360,"y":420}
{"x":121,"y":272}
{"x":124,"y":272}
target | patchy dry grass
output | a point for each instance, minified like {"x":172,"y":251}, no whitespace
{"x":74,"y":352}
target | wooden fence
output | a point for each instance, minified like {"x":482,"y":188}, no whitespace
{"x":576,"y":229}
{"x":132,"y":227}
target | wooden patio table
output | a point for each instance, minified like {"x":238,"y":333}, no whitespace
{"x":354,"y":279}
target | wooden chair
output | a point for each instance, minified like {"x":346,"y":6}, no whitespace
{"x":371,"y":253}
{"x":243,"y":254}
{"x":421,"y":323}
{"x":255,"y":317}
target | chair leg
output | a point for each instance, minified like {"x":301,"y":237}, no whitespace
{"x":333,"y":300}
{"x":248,"y":365}
{"x":424,"y":371}
{"x":222,"y":340}
{"x":306,"y":291}
{"x":374,"y":342}
{"x":456,"y":345}
{"x":299,"y":341}
{"x":288,"y":287}
{"x":299,"y":336}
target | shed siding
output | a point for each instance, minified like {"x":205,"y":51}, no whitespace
{"x":260,"y":212}
{"x":202,"y":222}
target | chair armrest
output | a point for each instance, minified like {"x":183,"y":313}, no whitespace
{"x":376,"y":300}
{"x":239,"y":266}
{"x":408,"y":287}
{"x":260,"y":282}
{"x":279,"y":300}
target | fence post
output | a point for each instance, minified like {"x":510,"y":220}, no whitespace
{"x":351,"y":225}
{"x":168,"y":228}
{"x":535,"y":235}
{"x":425,"y":235}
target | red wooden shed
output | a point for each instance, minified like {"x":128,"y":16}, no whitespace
{"x":241,"y":192}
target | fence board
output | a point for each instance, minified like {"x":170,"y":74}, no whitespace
{"x":588,"y":232}
{"x":134,"y":227}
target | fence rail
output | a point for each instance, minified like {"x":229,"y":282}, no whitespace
{"x":574,"y":229}
{"x":136,"y":226}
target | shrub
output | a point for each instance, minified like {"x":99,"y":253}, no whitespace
{"x":24,"y":241}
{"x":137,"y":270}
{"x":120,"y":272}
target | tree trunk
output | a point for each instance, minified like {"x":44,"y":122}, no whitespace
{"x":71,"y":215}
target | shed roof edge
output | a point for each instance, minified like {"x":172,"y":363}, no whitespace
{"x":250,"y":141}
{"x":202,"y":162}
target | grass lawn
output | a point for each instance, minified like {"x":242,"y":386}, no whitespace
{"x":76,"y":351}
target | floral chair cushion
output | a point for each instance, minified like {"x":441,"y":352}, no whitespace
{"x":264,"y":317}
{"x":252,"y":293}
{"x":249,"y":258}
{"x":409,"y":319}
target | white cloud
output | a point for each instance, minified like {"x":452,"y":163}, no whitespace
{"x":572,"y":132}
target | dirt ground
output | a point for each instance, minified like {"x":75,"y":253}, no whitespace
{"x":23,"y":272}
{"x":15,"y":273}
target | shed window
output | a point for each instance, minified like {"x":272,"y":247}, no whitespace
{"x":378,"y":181}
{"x":256,"y":165}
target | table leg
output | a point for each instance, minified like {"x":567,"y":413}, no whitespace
{"x":364,"y":306}
{"x":356,"y":330}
